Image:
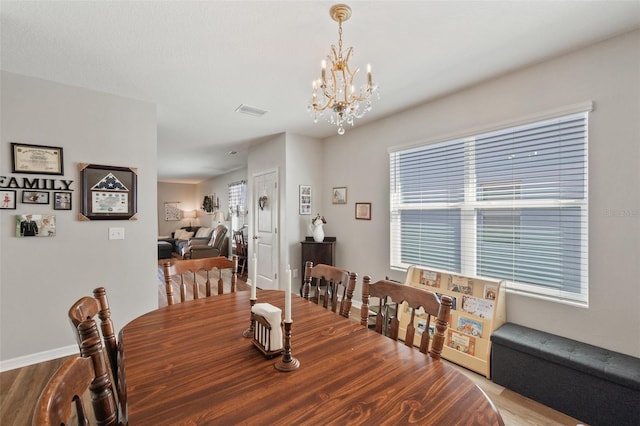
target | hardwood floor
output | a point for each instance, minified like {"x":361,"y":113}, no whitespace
{"x":20,"y":389}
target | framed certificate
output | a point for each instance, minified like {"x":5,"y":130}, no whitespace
{"x":39,"y":159}
{"x":108,"y":192}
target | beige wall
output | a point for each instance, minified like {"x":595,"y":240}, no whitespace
{"x":608,"y":74}
{"x":186,"y":195}
{"x":40,"y":278}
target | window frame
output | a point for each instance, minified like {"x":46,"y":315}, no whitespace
{"x":470,"y":208}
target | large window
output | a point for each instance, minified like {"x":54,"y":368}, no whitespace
{"x":509,"y":204}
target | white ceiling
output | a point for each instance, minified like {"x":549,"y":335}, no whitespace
{"x":199,"y":60}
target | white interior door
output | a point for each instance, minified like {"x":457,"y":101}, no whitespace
{"x":266,"y":228}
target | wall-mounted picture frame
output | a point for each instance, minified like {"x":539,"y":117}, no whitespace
{"x":172,"y":210}
{"x":62,"y":200}
{"x":339,"y":195}
{"x":35,"y":197}
{"x":305,"y":199}
{"x":108,"y":192}
{"x":8,"y":197}
{"x":35,"y":225}
{"x":363,"y":211}
{"x":39,"y":159}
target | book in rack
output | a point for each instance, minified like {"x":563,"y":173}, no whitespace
{"x":478,"y":309}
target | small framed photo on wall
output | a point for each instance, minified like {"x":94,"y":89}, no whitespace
{"x":62,"y":201}
{"x":363,"y":211}
{"x":35,"y":197}
{"x":305,"y":199}
{"x":35,"y":225}
{"x":8,"y":197}
{"x":339,"y":195}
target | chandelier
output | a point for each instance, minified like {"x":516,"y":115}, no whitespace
{"x":334,"y":95}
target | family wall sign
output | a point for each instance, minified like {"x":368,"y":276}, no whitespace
{"x":36,"y":183}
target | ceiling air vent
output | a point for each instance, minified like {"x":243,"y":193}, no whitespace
{"x":250,"y":110}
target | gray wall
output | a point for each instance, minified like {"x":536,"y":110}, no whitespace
{"x":608,"y":74}
{"x":41,"y":278}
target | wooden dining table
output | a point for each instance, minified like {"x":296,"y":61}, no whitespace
{"x":189,"y":364}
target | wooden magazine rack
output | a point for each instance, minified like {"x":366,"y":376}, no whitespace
{"x":478,"y":309}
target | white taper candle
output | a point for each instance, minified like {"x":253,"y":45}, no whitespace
{"x":287,"y":295}
{"x":254,"y":279}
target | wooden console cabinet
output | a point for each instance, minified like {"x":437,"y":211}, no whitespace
{"x":324,"y":252}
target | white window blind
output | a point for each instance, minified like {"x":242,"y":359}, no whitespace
{"x":508,"y":204}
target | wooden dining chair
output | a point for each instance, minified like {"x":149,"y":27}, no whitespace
{"x":241,"y":250}
{"x":390,"y":292}
{"x":338,"y":284}
{"x":87,"y":308}
{"x":195,"y":271}
{"x":64,"y":396}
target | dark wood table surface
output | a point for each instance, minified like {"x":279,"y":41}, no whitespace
{"x":189,"y":364}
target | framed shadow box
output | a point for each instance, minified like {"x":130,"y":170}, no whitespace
{"x":108,"y":192}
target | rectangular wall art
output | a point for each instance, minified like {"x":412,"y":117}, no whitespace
{"x":35,"y":225}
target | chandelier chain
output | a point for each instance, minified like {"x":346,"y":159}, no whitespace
{"x":340,"y":39}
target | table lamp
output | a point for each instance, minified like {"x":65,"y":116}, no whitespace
{"x":189,"y":214}
{"x":218,"y":217}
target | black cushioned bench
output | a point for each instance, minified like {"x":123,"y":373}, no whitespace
{"x":164,"y":250}
{"x":591,"y":384}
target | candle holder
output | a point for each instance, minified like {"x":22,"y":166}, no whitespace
{"x":287,"y":362}
{"x":248,"y":333}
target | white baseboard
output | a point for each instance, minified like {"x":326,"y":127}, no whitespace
{"x":31,"y":359}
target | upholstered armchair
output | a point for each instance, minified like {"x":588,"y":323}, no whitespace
{"x":216,"y":246}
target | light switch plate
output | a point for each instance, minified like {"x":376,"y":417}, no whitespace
{"x":116,"y":233}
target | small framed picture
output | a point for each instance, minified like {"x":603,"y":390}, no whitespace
{"x":35,"y":197}
{"x":36,"y":225}
{"x":305,"y":199}
{"x":8,"y":197}
{"x":339,"y":195}
{"x":62,"y":201}
{"x":45,"y":160}
{"x":363,"y":211}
